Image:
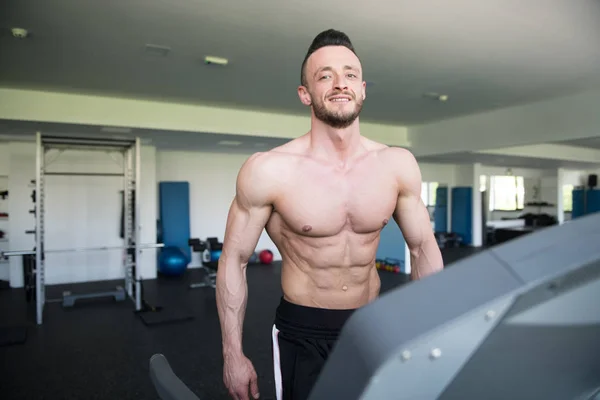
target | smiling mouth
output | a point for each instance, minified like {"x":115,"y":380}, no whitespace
{"x":340,"y":100}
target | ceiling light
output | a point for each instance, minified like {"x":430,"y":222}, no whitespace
{"x":19,"y":33}
{"x":215,"y":60}
{"x":436,"y":96}
{"x":229,"y":143}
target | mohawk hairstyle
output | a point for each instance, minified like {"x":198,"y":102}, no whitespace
{"x":330,"y":37}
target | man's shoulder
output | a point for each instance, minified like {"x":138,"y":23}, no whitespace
{"x":402,"y":164}
{"x":386,"y":151}
{"x":258,"y":163}
{"x":271,"y":164}
{"x":273,"y":159}
{"x":397,"y":156}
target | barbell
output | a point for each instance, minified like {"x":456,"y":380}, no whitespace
{"x":6,"y":254}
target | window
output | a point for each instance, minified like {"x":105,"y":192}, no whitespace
{"x":567,"y":192}
{"x":432,"y":193}
{"x":507,"y":193}
{"x":429,"y":192}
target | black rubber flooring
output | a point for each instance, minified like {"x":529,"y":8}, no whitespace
{"x":100,"y":349}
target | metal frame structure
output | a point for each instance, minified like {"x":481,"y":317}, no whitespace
{"x":130,"y":149}
{"x":40,"y":288}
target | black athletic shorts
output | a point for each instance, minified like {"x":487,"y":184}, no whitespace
{"x":303,"y":338}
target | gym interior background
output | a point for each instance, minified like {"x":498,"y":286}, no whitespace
{"x":504,"y":150}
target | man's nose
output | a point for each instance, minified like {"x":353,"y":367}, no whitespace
{"x":340,"y":82}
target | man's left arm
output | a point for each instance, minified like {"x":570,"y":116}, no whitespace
{"x":412,"y":217}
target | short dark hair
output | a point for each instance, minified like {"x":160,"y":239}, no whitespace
{"x":330,"y":37}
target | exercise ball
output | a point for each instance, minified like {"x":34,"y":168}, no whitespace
{"x":266,"y":256}
{"x":215,"y":255}
{"x":172,"y":261}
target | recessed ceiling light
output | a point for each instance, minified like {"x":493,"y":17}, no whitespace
{"x":19,"y":33}
{"x":436,"y":96}
{"x":229,"y":143}
{"x":215,"y":60}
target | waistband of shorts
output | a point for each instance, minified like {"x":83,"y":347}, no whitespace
{"x":310,"y":321}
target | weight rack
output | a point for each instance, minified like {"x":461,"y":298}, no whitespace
{"x":130,"y":149}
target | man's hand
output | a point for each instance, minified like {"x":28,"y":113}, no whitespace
{"x":240,"y":378}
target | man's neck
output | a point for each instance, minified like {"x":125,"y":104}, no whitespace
{"x":336,"y":145}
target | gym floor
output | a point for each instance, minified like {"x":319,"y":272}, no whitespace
{"x":100,"y":349}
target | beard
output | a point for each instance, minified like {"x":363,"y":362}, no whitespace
{"x":337,"y":119}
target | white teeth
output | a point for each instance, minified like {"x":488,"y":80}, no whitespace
{"x":344,"y":100}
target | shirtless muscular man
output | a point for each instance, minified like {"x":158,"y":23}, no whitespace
{"x":323,"y":198}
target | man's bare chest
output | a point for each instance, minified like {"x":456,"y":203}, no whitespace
{"x":324,"y":203}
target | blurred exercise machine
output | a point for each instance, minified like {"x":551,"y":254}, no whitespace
{"x":210,"y":252}
{"x":518,"y":321}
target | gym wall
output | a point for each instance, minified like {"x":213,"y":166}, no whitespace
{"x":463,"y":175}
{"x":80,"y":211}
{"x":4,"y":158}
{"x":576,"y":177}
{"x":444,"y":174}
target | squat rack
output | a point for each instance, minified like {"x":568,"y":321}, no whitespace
{"x":130,"y":149}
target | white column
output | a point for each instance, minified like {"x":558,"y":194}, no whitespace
{"x":560,"y":209}
{"x":477,"y":209}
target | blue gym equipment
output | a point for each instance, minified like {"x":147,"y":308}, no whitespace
{"x":174,"y":227}
{"x":172,"y":261}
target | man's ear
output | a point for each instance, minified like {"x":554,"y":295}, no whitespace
{"x":304,"y":96}
{"x":364,"y":91}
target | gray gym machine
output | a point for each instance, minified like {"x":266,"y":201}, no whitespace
{"x":208,"y":266}
{"x":518,"y":321}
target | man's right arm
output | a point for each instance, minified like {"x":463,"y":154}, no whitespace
{"x":248,"y":215}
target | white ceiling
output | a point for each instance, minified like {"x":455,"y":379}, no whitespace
{"x":483,"y":54}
